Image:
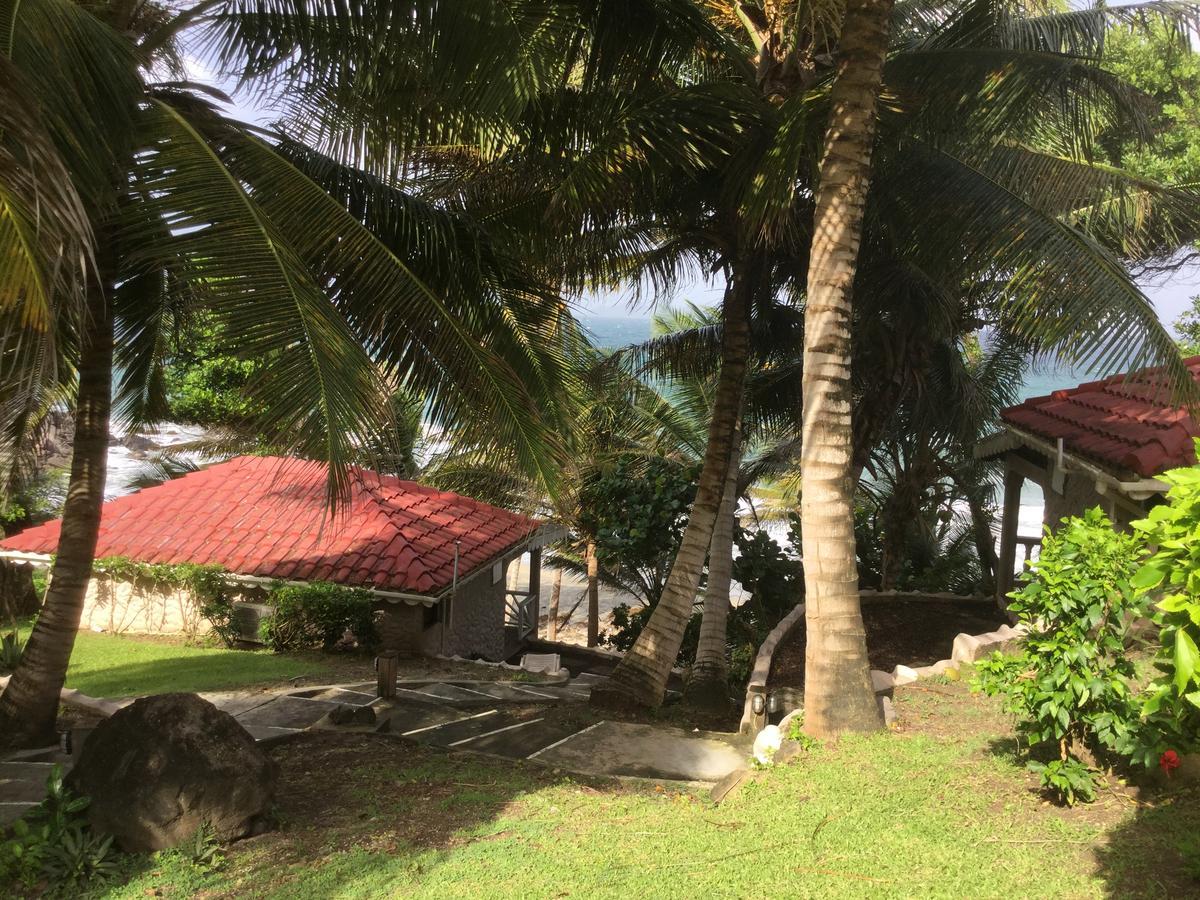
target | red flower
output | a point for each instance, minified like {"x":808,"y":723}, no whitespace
{"x":1168,"y":762}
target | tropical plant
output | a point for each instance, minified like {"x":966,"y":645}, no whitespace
{"x":318,"y":615}
{"x":130,"y":202}
{"x":1171,"y":576}
{"x":1073,"y":689}
{"x":960,"y":205}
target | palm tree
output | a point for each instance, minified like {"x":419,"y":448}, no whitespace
{"x":129,"y":199}
{"x":982,"y":179}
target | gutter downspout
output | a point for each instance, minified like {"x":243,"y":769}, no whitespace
{"x":449,"y":614}
{"x":1135,"y":490}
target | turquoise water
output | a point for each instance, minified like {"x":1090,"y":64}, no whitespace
{"x":611,"y":332}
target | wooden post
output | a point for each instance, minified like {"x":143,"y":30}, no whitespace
{"x":593,"y":594}
{"x":535,"y":586}
{"x":386,"y":666}
{"x":1010,"y":513}
{"x":555,"y":594}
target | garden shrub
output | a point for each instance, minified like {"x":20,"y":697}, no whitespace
{"x":1172,"y":572}
{"x":1071,"y":688}
{"x":52,"y":851}
{"x":318,"y":615}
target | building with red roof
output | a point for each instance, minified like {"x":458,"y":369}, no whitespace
{"x":1101,"y":443}
{"x":435,"y":561}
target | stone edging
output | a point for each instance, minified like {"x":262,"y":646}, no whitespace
{"x":757,"y":686}
{"x":967,"y":648}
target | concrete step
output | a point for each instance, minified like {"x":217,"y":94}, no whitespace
{"x":285,"y":712}
{"x":445,"y":693}
{"x":23,"y":782}
{"x":462,"y":732}
{"x":413,"y":719}
{"x":521,"y":743}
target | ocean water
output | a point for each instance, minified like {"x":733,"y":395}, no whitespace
{"x":614,"y":331}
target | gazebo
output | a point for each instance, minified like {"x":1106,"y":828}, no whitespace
{"x":1101,"y":443}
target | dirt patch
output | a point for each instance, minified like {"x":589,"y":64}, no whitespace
{"x":899,"y":632}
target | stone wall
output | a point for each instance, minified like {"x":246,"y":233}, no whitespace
{"x":118,"y":606}
{"x":476,"y":622}
{"x":1079,"y":494}
{"x":474,"y":625}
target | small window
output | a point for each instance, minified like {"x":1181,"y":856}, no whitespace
{"x":429,"y":616}
{"x":497,"y":572}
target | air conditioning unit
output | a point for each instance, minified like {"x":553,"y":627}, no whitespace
{"x":247,"y":619}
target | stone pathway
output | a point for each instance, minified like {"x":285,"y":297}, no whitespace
{"x":508,"y":719}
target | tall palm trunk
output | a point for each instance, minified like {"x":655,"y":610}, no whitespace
{"x":593,"y":595}
{"x":837,"y":681}
{"x":29,"y":705}
{"x":708,"y":684}
{"x":555,"y":596}
{"x":641,"y":677}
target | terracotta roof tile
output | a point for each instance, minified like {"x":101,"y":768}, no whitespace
{"x":1126,"y":422}
{"x":266,"y":516}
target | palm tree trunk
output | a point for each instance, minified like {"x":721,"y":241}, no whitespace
{"x":29,"y":705}
{"x":837,"y":682}
{"x":985,"y":544}
{"x":641,"y":677}
{"x":593,"y":595}
{"x":555,"y":595}
{"x":708,"y":684}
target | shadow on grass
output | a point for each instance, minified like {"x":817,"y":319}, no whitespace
{"x":358,"y":815}
{"x":1156,"y":853}
{"x":182,"y":669}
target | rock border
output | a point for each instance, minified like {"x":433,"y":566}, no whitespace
{"x":753,"y":722}
{"x":967,"y":648}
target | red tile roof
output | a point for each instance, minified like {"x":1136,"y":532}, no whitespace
{"x":1125,"y":422}
{"x":267,"y":516}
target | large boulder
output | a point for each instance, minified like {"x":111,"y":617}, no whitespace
{"x":164,"y":765}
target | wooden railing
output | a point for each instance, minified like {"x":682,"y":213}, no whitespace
{"x":1029,"y":549}
{"x":520,"y":612}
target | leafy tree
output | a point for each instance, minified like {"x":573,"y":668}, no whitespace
{"x":637,"y":509}
{"x":129,"y":199}
{"x":1153,"y":60}
{"x":1073,"y":693}
{"x":978,"y":187}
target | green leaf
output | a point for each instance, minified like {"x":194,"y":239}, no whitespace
{"x":1146,"y":577}
{"x":1187,"y":657}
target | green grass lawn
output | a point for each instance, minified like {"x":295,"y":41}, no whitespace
{"x":938,"y":808}
{"x":106,"y":665}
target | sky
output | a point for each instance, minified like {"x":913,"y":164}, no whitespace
{"x":1170,"y":293}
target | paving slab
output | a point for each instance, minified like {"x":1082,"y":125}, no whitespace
{"x":650,"y":751}
{"x":345,"y":697}
{"x":515,"y":693}
{"x":458,"y":694}
{"x":286,"y":712}
{"x":413,"y":719}
{"x":475,"y":725}
{"x":237,"y":702}
{"x":10,"y":812}
{"x":521,"y":743}
{"x":262,"y":732}
{"x":23,"y":782}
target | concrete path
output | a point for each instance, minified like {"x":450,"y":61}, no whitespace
{"x":511,"y":719}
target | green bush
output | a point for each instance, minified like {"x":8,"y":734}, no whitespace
{"x":11,"y":648}
{"x":1071,"y":688}
{"x":628,"y":624}
{"x":1172,"y":573}
{"x":318,"y":615}
{"x":53,"y":846}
